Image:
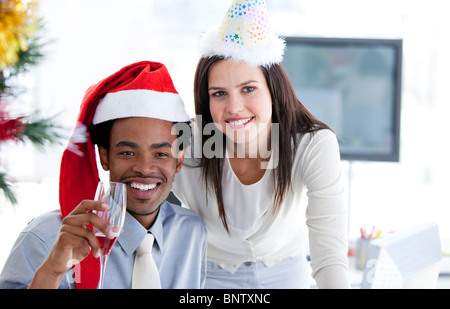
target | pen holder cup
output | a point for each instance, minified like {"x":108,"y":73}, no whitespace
{"x":362,"y":248}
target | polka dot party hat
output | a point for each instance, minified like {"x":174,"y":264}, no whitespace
{"x":245,"y":35}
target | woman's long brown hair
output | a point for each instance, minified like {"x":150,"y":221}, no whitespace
{"x":287,"y":111}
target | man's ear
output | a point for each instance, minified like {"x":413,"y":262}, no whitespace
{"x":180,"y":159}
{"x":103,"y":154}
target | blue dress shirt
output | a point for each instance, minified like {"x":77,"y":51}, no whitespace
{"x":179,"y":251}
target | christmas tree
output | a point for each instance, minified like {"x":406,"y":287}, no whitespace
{"x":20,"y":46}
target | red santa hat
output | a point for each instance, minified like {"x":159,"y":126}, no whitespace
{"x":143,"y":89}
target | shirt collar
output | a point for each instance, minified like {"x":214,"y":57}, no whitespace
{"x":157,"y":228}
{"x":134,"y":232}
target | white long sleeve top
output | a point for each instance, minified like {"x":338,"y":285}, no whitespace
{"x":258,"y":233}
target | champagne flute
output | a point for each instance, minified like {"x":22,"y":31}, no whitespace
{"x":112,"y":194}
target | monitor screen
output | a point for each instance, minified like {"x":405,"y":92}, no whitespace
{"x":354,"y":86}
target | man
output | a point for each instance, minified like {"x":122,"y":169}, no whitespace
{"x":129,"y":115}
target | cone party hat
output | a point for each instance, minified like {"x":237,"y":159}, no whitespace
{"x":245,"y":35}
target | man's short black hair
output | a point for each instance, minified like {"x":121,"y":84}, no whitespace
{"x":101,"y":134}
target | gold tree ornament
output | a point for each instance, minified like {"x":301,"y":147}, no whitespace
{"x":19,"y":51}
{"x":18,"y":23}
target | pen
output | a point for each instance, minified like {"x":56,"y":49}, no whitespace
{"x":371,"y":233}
{"x":362,"y":233}
{"x":378,"y":234}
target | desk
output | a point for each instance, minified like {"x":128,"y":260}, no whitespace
{"x":356,"y":275}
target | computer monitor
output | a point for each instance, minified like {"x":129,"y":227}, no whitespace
{"x":354,"y":85}
{"x":406,"y":259}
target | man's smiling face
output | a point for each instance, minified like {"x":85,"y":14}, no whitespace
{"x":141,"y":156}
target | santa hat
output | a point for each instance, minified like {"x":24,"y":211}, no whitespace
{"x":143,"y":89}
{"x":245,"y":35}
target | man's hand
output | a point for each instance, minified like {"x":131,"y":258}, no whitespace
{"x":72,"y":245}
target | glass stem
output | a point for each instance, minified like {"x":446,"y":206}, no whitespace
{"x":102,"y":270}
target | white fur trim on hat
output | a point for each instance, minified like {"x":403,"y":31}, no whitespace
{"x":264,"y":56}
{"x":141,"y":103}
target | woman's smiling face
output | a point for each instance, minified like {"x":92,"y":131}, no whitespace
{"x":240,"y":100}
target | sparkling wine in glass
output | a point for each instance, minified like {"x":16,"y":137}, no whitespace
{"x":114,"y":195}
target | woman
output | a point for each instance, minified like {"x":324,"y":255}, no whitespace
{"x":250,"y":193}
